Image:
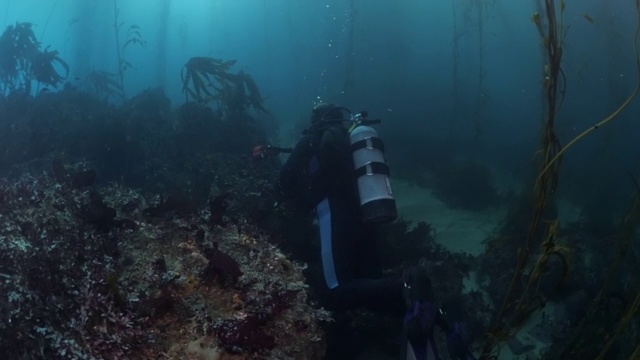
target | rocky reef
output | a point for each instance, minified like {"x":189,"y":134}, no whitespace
{"x":99,"y":272}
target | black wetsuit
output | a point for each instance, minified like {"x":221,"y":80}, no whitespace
{"x":323,"y":181}
{"x":319,"y":175}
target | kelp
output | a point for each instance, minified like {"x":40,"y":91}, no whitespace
{"x":105,"y":85}
{"x":206,"y":80}
{"x":615,"y":113}
{"x":22,"y":61}
{"x":241,"y":95}
{"x":134,"y":37}
{"x":43,"y":68}
{"x":201,"y":75}
{"x":518,"y":302}
{"x":596,"y":333}
{"x":108,"y":85}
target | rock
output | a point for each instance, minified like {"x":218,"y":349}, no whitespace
{"x":203,"y":349}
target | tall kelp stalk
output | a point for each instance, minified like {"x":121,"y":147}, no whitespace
{"x":469,"y":22}
{"x":163,"y":34}
{"x":116,"y":25}
{"x":617,"y":87}
{"x":481,"y":96}
{"x":597,"y":333}
{"x":134,"y":37}
{"x":456,"y":99}
{"x":520,"y":302}
{"x":614,"y":114}
{"x":46,"y":24}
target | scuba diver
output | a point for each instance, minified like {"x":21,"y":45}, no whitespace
{"x":340,"y":174}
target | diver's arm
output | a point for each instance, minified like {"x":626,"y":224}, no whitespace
{"x":293,"y":168}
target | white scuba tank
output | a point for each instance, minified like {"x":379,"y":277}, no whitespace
{"x":372,"y":175}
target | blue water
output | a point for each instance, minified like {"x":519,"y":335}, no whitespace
{"x":450,"y":79}
{"x":394,"y":58}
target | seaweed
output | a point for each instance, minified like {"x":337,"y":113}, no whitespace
{"x":200,"y":74}
{"x":43,"y":67}
{"x":159,"y":305}
{"x":97,"y":213}
{"x":405,"y":242}
{"x":523,"y":296}
{"x":22,"y":61}
{"x":246,"y":334}
{"x":105,"y":85}
{"x":221,"y":267}
{"x":519,"y":301}
{"x":207,"y":79}
{"x":134,"y":37}
{"x":596,"y":332}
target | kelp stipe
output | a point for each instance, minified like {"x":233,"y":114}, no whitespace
{"x":134,"y":37}
{"x":614,"y":114}
{"x":513,"y":313}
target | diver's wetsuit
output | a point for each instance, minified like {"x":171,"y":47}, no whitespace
{"x":325,"y":183}
{"x":322,"y":178}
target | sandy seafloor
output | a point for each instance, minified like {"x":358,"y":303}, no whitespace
{"x":466,"y":231}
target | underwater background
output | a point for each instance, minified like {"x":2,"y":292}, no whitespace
{"x":135,"y":223}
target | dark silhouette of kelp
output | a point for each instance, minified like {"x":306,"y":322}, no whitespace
{"x":22,"y":61}
{"x":134,"y":37}
{"x":523,"y":296}
{"x":104,"y":85}
{"x":206,"y":80}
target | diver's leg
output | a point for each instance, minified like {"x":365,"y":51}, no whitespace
{"x":339,"y":232}
{"x":327,"y":221}
{"x":342,"y":342}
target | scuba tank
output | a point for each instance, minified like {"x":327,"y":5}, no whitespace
{"x":367,"y":151}
{"x":372,"y":173}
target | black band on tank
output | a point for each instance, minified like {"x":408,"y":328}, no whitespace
{"x":372,"y":168}
{"x":370,"y":142}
